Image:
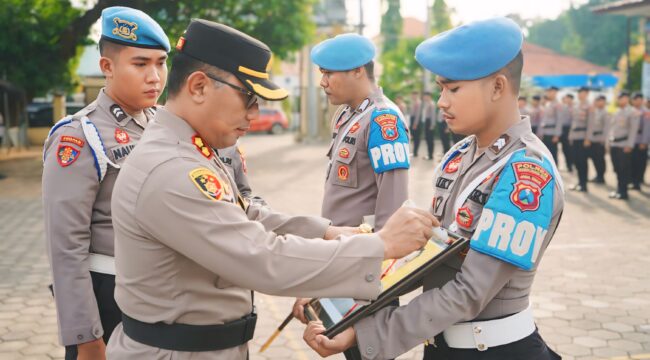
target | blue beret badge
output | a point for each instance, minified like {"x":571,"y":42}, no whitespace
{"x":125,"y":29}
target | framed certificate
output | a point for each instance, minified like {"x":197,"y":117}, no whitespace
{"x":399,"y":277}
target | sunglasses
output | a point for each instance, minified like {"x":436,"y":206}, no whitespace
{"x":251,"y":97}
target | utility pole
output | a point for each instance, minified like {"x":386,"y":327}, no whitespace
{"x":426,"y":78}
{"x":361,"y":25}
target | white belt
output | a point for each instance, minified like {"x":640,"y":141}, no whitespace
{"x":482,"y":335}
{"x":103,"y":264}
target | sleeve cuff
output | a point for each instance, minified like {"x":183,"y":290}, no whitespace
{"x":367,"y":339}
{"x":81,"y":335}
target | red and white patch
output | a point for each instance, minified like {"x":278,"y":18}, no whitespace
{"x":201,"y":146}
{"x":66,"y":155}
{"x":122,"y":136}
{"x":531,"y":179}
{"x":72,"y":140}
{"x":453,"y":165}
{"x":354,"y":128}
{"x":388,"y":123}
{"x":343,"y":172}
{"x":464,"y":217}
{"x":344,"y":153}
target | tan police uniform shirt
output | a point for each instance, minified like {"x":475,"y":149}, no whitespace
{"x":580,"y":119}
{"x":186,"y":251}
{"x":624,"y":127}
{"x":598,"y":126}
{"x":77,"y":212}
{"x":477,"y":286}
{"x":360,"y":191}
{"x":551,"y":123}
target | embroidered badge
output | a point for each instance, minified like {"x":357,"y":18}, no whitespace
{"x":388,"y":123}
{"x":344,"y":153}
{"x":453,"y":165}
{"x":66,"y":155}
{"x":180,"y":43}
{"x":117,"y":112}
{"x":72,"y":140}
{"x":344,"y":172}
{"x":125,"y":29}
{"x":530,"y":178}
{"x":201,"y":146}
{"x":121,"y":136}
{"x":209,"y":184}
{"x":464,"y":217}
{"x":501,"y":142}
{"x":354,"y":128}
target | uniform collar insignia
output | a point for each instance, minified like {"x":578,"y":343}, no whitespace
{"x":501,"y":142}
{"x":201,"y":146}
{"x":118,"y":113}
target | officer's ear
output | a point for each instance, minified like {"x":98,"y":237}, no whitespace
{"x":196,"y":85}
{"x":499,"y":85}
{"x":107,"y":66}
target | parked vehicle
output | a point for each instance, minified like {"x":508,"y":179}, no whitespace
{"x":271,"y":120}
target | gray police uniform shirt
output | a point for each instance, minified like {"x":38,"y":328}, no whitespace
{"x":187,"y":252}
{"x":479,"y":285}
{"x":643,"y":134}
{"x":234,"y":160}
{"x":565,"y":114}
{"x":535,"y":115}
{"x":369,"y":160}
{"x":77,"y":211}
{"x":598,"y":126}
{"x":580,"y":118}
{"x":551,"y":123}
{"x":624,"y":127}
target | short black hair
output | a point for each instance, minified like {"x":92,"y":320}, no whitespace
{"x":637,"y":95}
{"x":182,"y":67}
{"x":523,"y":98}
{"x":537,"y":97}
{"x":583,"y":88}
{"x":512,"y":71}
{"x":601,"y":97}
{"x":570,"y":96}
{"x":370,"y":70}
{"x":108,"y":48}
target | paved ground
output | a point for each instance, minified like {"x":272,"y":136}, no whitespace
{"x":591,"y":296}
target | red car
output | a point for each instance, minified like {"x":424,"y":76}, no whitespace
{"x":271,"y":120}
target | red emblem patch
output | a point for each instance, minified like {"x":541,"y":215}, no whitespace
{"x":208,"y":183}
{"x":354,"y":128}
{"x":464,"y":217}
{"x":343,"y":172}
{"x":453,"y":165}
{"x":388,"y":123}
{"x":531,"y":179}
{"x":344,"y":153}
{"x":201,"y":146}
{"x":72,"y":140}
{"x":66,"y":155}
{"x":121,"y":136}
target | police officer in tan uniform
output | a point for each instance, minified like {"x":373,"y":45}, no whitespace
{"x":622,"y":135}
{"x":550,"y":127}
{"x":535,"y":112}
{"x":565,"y":115}
{"x":582,"y":113}
{"x":640,"y":152}
{"x":82,"y":157}
{"x":597,"y":129}
{"x":235,"y":161}
{"x":500,"y":187}
{"x":189,"y":249}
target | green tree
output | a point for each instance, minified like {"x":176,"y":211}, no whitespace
{"x":401,"y":73}
{"x":391,"y":25}
{"x":40,"y":39}
{"x":441,"y":19}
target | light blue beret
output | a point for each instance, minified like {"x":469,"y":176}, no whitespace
{"x":343,"y":52}
{"x":471,"y":51}
{"x":131,"y":27}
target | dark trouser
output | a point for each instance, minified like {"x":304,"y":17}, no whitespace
{"x":416,"y":135}
{"x":622,"y":163}
{"x":639,"y":164}
{"x":566,"y":147}
{"x":531,"y":347}
{"x":580,"y":159}
{"x":109,"y":312}
{"x":444,"y":136}
{"x":597,"y":155}
{"x":552,"y":146}
{"x":353,"y":352}
{"x":428,"y":136}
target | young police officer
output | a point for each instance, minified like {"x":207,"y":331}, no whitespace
{"x":501,"y":189}
{"x":83,"y":154}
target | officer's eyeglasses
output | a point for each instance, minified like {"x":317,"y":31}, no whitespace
{"x":251,"y":97}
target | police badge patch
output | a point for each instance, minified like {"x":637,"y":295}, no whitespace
{"x":66,"y":155}
{"x":343,"y":172}
{"x":531,"y":178}
{"x":452,"y":166}
{"x":121,"y":136}
{"x":125,"y":29}
{"x":464,"y":217}
{"x":388,"y":123}
{"x":209,"y":184}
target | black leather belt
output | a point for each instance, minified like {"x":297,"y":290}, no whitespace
{"x":597,"y":133}
{"x":549,"y":126}
{"x":184,"y":337}
{"x":580,"y":129}
{"x":622,"y":138}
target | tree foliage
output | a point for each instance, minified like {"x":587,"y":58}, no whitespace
{"x":401,"y":74}
{"x":40,"y":39}
{"x":391,"y":25}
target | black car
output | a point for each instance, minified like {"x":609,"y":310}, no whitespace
{"x":40,"y":114}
